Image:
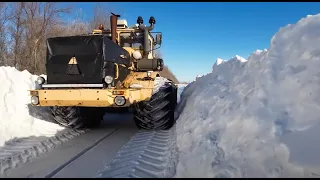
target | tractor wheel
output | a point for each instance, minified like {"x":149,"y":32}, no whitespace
{"x":77,"y":117}
{"x":158,"y":112}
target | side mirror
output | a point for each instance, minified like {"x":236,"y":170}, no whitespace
{"x":159,"y":39}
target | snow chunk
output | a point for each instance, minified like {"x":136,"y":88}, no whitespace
{"x":220,"y":61}
{"x":239,"y":58}
{"x":217,"y":63}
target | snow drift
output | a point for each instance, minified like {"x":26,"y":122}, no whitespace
{"x":234,"y":116}
{"x":17,"y":118}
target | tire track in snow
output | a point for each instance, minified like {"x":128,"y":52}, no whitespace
{"x":147,"y":154}
{"x":15,"y":153}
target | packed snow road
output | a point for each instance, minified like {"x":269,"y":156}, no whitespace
{"x":87,"y":152}
{"x":116,"y":149}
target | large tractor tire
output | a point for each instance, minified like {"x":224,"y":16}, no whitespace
{"x":78,"y":117}
{"x":158,"y":112}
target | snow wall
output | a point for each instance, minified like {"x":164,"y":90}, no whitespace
{"x":233,"y":118}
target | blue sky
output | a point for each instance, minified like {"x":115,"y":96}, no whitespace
{"x":196,"y":34}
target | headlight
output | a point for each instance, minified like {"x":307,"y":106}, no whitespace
{"x":108,"y":79}
{"x":136,"y":55}
{"x":40,"y":80}
{"x":34,"y":100}
{"x":119,"y":100}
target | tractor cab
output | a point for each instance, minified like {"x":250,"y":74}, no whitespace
{"x":132,"y":39}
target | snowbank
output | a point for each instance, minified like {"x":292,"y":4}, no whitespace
{"x":234,"y":116}
{"x":16,"y":119}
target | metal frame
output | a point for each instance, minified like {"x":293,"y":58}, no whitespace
{"x":72,"y":85}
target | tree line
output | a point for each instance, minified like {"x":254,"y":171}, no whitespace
{"x":25,"y":26}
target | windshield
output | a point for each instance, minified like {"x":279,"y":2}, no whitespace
{"x":133,"y":40}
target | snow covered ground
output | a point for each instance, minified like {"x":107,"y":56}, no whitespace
{"x":244,"y":118}
{"x":254,"y":117}
{"x":17,"y":120}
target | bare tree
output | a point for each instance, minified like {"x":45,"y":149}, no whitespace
{"x":25,"y":26}
{"x":40,"y":18}
{"x":100,"y":16}
{"x":4,"y":18}
{"x":77,"y":26}
{"x":16,"y":33}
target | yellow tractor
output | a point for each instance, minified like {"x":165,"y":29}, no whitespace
{"x":107,"y":69}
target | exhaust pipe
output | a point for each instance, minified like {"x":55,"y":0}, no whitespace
{"x":146,"y":29}
{"x":113,"y":23}
{"x":146,"y":64}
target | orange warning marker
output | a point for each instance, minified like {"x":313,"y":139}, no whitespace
{"x":73,"y":60}
{"x":73,"y":68}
